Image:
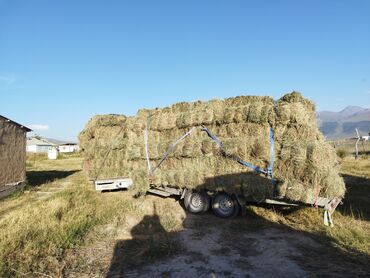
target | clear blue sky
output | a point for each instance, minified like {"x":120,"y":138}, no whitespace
{"x":62,"y":62}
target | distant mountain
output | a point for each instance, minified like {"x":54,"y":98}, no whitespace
{"x":342,"y":124}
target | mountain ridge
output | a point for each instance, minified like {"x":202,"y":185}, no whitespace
{"x":342,"y":124}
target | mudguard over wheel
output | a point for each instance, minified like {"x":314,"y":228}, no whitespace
{"x":225,"y":206}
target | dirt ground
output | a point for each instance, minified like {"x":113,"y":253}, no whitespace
{"x":151,"y":236}
{"x":210,"y":253}
{"x":207,"y":246}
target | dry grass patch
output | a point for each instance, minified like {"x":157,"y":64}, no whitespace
{"x":36,"y":233}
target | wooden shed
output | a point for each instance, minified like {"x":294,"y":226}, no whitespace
{"x":12,"y":156}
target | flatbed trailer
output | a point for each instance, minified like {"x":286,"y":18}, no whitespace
{"x":229,"y":205}
{"x":223,"y":204}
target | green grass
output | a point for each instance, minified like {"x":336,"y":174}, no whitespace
{"x":352,"y":227}
{"x":37,"y":232}
{"x":35,"y":237}
{"x":347,"y":148}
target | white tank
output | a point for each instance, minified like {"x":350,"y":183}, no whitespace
{"x":53,"y":153}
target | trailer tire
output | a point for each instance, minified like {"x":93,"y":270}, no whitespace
{"x":196,"y":201}
{"x":224,"y":205}
{"x":187,"y":198}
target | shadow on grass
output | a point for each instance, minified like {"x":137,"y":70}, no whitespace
{"x":356,"y":201}
{"x":150,"y":242}
{"x":37,"y":178}
{"x":253,"y":237}
{"x":318,"y":253}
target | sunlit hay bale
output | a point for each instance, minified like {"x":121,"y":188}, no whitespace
{"x":295,"y":190}
{"x":167,"y":121}
{"x":239,"y":115}
{"x":144,"y":113}
{"x":108,"y":120}
{"x":153,"y":122}
{"x":179,"y":178}
{"x":233,"y":115}
{"x":170,"y":177}
{"x":298,"y":154}
{"x":228,"y":116}
{"x":294,"y":113}
{"x":322,"y":158}
{"x":184,"y":120}
{"x":244,"y":150}
{"x":197,"y":147}
{"x":139,"y":127}
{"x":167,"y":178}
{"x":163,"y":176}
{"x":294,"y":109}
{"x":207,"y":147}
{"x":296,"y":97}
{"x":202,"y":117}
{"x":303,"y":159}
{"x":332,"y":184}
{"x":259,"y":150}
{"x":217,"y":106}
{"x":134,"y":152}
{"x":229,"y":130}
{"x":153,"y":151}
{"x":267,"y":114}
{"x":252,"y":113}
{"x":292,"y":158}
{"x":187,"y":149}
{"x":140,"y":180}
{"x":245,"y":100}
{"x":162,"y":148}
{"x":159,"y":177}
{"x":180,"y":107}
{"x":207,"y":117}
{"x":309,"y":195}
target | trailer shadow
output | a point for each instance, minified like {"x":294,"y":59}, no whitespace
{"x":37,"y":178}
{"x":250,"y":245}
{"x":356,"y":202}
{"x":259,"y":244}
{"x":150,"y":242}
{"x":155,"y":251}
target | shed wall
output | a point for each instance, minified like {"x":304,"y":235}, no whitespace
{"x":12,"y":154}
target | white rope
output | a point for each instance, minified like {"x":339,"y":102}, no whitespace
{"x":147,"y":149}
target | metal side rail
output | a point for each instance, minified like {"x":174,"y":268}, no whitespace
{"x":165,"y":191}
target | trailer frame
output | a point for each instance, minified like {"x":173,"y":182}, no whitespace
{"x":328,"y":204}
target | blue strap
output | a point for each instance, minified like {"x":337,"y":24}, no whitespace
{"x":213,"y":137}
{"x":255,"y":168}
{"x":238,"y":159}
{"x":272,"y":153}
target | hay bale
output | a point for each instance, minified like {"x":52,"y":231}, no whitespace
{"x":305,"y":163}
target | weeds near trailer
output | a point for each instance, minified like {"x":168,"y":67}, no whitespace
{"x":45,"y":234}
{"x":38,"y":227}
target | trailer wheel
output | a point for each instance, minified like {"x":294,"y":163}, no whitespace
{"x":196,"y":201}
{"x":187,"y":198}
{"x":225,"y":206}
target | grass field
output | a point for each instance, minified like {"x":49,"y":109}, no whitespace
{"x":59,"y":226}
{"x":346,"y":148}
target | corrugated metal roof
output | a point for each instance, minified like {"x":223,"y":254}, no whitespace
{"x":38,"y":142}
{"x":15,"y":123}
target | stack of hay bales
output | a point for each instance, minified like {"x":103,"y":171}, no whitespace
{"x":306,"y":166}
